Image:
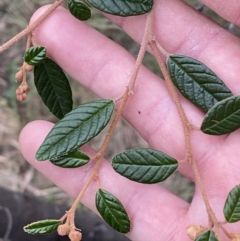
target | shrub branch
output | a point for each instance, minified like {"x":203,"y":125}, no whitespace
{"x":31,"y":27}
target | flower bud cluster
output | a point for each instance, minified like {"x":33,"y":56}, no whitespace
{"x":194,"y":231}
{"x":235,"y":237}
{"x":73,"y":234}
{"x":21,"y":92}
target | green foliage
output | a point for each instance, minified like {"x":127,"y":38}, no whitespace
{"x":77,"y":128}
{"x":123,"y":7}
{"x":79,"y":10}
{"x":53,"y":87}
{"x":144,"y":165}
{"x":35,"y":55}
{"x":112,"y":211}
{"x":71,"y":160}
{"x":222,"y":118}
{"x":196,"y":81}
{"x":42,"y":227}
{"x":232,"y":205}
{"x":207,"y":236}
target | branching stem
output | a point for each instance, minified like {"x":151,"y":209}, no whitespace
{"x":98,"y":157}
{"x":31,"y":27}
{"x":187,"y":130}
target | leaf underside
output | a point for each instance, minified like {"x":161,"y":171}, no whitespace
{"x":71,"y":160}
{"x":77,"y":128}
{"x":232,"y":205}
{"x":35,"y":55}
{"x":79,"y":10}
{"x":144,"y":165}
{"x":197,"y":82}
{"x":53,"y":87}
{"x":112,"y":211}
{"x":207,"y":236}
{"x":123,"y":7}
{"x":42,"y":227}
{"x":223,"y":118}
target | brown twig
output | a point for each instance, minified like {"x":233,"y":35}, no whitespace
{"x":174,"y":96}
{"x":185,"y":124}
{"x":98,"y":157}
{"x":31,"y":27}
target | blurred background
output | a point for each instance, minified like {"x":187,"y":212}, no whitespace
{"x":21,"y":184}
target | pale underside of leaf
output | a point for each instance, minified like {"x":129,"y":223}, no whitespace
{"x":223,"y":118}
{"x":144,"y":165}
{"x":42,"y":227}
{"x":72,"y":160}
{"x":77,"y":128}
{"x":112,"y":211}
{"x":197,"y":82}
{"x":123,"y":7}
{"x":232,"y":205}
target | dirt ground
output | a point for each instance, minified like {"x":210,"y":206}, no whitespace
{"x":15,"y":173}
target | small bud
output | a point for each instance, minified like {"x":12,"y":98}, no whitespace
{"x":19,"y":97}
{"x":24,"y":96}
{"x":19,"y":75}
{"x":235,"y":237}
{"x":25,"y":88}
{"x":28,"y":67}
{"x":18,"y":91}
{"x":75,"y":235}
{"x":63,"y":229}
{"x":194,"y":231}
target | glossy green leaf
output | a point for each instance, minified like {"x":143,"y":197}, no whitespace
{"x":77,"y":128}
{"x":144,"y":165}
{"x":222,"y":118}
{"x":79,"y":10}
{"x":232,"y":205}
{"x":123,"y":7}
{"x":35,"y":55}
{"x":42,"y":227}
{"x":71,"y":160}
{"x":196,"y":81}
{"x":53,"y":87}
{"x":207,"y":236}
{"x":112,"y":211}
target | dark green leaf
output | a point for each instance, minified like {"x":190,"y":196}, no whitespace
{"x":42,"y":227}
{"x":79,"y":10}
{"x":222,"y":118}
{"x":144,"y":165}
{"x":112,"y":211}
{"x":53,"y":87}
{"x":123,"y":7}
{"x":35,"y":55}
{"x":232,"y":205}
{"x":207,"y":236}
{"x":197,"y":82}
{"x":77,"y":128}
{"x":71,"y":160}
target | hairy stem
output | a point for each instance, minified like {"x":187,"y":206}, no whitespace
{"x":187,"y":129}
{"x":174,"y":96}
{"x":31,"y":27}
{"x":98,"y":157}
